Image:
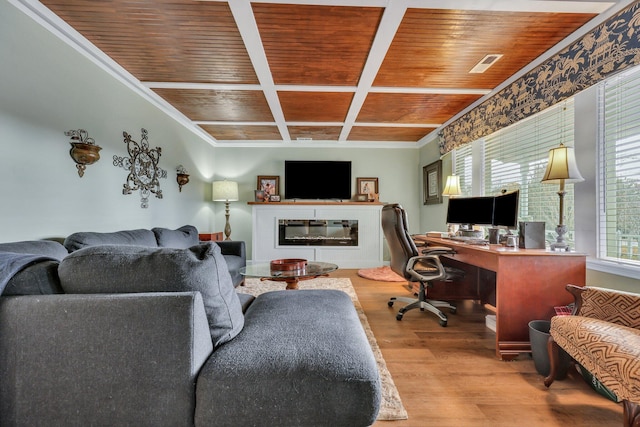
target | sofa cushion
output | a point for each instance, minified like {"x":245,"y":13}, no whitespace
{"x":140,"y":237}
{"x":182,"y":238}
{"x":118,"y":269}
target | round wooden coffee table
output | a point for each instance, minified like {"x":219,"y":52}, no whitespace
{"x":290,"y":277}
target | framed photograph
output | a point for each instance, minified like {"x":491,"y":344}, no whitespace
{"x":432,"y":180}
{"x":269,"y":184}
{"x":274,"y":198}
{"x":259,"y":196}
{"x":367,"y":185}
{"x":361,"y":197}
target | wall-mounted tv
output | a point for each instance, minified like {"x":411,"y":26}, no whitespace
{"x":317,"y":179}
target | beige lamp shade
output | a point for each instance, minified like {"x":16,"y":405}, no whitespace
{"x":452,"y":186}
{"x":224,"y":191}
{"x":562,"y":166}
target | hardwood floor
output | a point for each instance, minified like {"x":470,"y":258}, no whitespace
{"x":452,"y":377}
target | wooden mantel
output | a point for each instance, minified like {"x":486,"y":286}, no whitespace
{"x":316,"y":202}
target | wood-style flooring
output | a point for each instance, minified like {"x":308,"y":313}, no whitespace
{"x":452,"y":377}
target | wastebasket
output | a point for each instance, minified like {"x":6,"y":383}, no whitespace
{"x":539,"y":336}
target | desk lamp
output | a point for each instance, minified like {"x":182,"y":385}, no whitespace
{"x":560,"y":169}
{"x":225,"y":191}
{"x":452,"y":186}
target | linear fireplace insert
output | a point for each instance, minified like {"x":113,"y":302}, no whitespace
{"x":317,"y":232}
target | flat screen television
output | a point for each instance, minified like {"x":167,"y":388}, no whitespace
{"x":317,"y":179}
{"x":470,"y":210}
{"x":505,"y":209}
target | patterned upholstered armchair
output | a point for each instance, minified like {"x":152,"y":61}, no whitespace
{"x":603,"y":335}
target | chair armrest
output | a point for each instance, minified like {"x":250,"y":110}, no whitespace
{"x":438,"y":250}
{"x":619,"y":307}
{"x":433,"y":263}
{"x":100,"y":359}
{"x":233,"y":247}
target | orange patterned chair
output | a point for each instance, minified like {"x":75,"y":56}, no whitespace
{"x":603,"y":335}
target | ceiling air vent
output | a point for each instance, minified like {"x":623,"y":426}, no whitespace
{"x":486,"y":62}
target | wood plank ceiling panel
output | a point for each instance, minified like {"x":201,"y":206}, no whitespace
{"x":412,"y":108}
{"x":438,"y":48}
{"x":219,"y":105}
{"x":243,"y":132}
{"x":376,"y":133}
{"x":163,"y":40}
{"x":318,"y":133}
{"x":315,"y":106}
{"x":316,"y":45}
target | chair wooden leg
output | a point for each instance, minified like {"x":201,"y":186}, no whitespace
{"x":631,"y":414}
{"x":554,"y":360}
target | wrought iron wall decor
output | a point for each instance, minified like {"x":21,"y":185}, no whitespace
{"x":609,"y":48}
{"x":143,"y":168}
{"x":84,"y":150}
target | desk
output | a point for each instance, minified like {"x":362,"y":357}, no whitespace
{"x":521,"y":284}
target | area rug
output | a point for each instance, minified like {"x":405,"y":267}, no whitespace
{"x":391,"y":407}
{"x":383,"y":274}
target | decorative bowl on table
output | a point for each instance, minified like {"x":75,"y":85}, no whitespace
{"x":288,"y":265}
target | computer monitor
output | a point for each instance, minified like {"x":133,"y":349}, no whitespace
{"x":470,"y":210}
{"x":505,"y":210}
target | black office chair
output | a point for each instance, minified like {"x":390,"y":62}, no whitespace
{"x":422,"y":267}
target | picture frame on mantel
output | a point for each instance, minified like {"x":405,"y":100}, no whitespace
{"x":367,"y":185}
{"x":270,"y":184}
{"x":432,"y":181}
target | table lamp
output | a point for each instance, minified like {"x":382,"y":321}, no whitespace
{"x":561,"y":168}
{"x":225,"y":191}
{"x":452,"y":186}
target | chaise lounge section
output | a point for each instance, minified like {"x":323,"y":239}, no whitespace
{"x":132,"y":335}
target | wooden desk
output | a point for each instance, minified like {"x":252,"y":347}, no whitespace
{"x":528,"y":284}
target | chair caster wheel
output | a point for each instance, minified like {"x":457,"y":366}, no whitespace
{"x":399,"y":317}
{"x":454,"y":310}
{"x":443,"y":323}
{"x":390,"y":303}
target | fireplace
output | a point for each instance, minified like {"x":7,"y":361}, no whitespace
{"x":317,"y":232}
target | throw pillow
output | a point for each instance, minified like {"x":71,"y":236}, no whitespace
{"x":123,"y":269}
{"x":140,"y":237}
{"x":182,"y":238}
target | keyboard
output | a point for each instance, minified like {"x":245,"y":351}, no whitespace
{"x":469,"y":240}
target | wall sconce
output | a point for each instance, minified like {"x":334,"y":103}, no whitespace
{"x":225,"y":191}
{"x":452,"y":186}
{"x":562,"y":167}
{"x":84,"y":150}
{"x":182,"y":178}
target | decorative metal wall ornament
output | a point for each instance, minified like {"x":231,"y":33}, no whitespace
{"x":84,"y":150}
{"x":182,"y":177}
{"x":608,"y":49}
{"x":143,"y":168}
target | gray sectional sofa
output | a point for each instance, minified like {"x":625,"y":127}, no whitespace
{"x":116,"y":334}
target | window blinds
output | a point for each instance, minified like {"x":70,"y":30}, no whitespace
{"x":619,"y":168}
{"x":464,"y":168}
{"x":516,"y":158}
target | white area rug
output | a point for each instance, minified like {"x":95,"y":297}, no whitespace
{"x":391,"y":407}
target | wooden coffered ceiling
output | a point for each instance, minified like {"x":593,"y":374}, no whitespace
{"x":351,"y":73}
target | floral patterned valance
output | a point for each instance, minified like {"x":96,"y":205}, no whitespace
{"x":609,"y":48}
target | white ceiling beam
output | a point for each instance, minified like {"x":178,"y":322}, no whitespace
{"x":245,"y":20}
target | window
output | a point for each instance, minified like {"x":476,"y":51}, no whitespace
{"x":463,"y":167}
{"x":516,"y":158}
{"x":619,"y":169}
